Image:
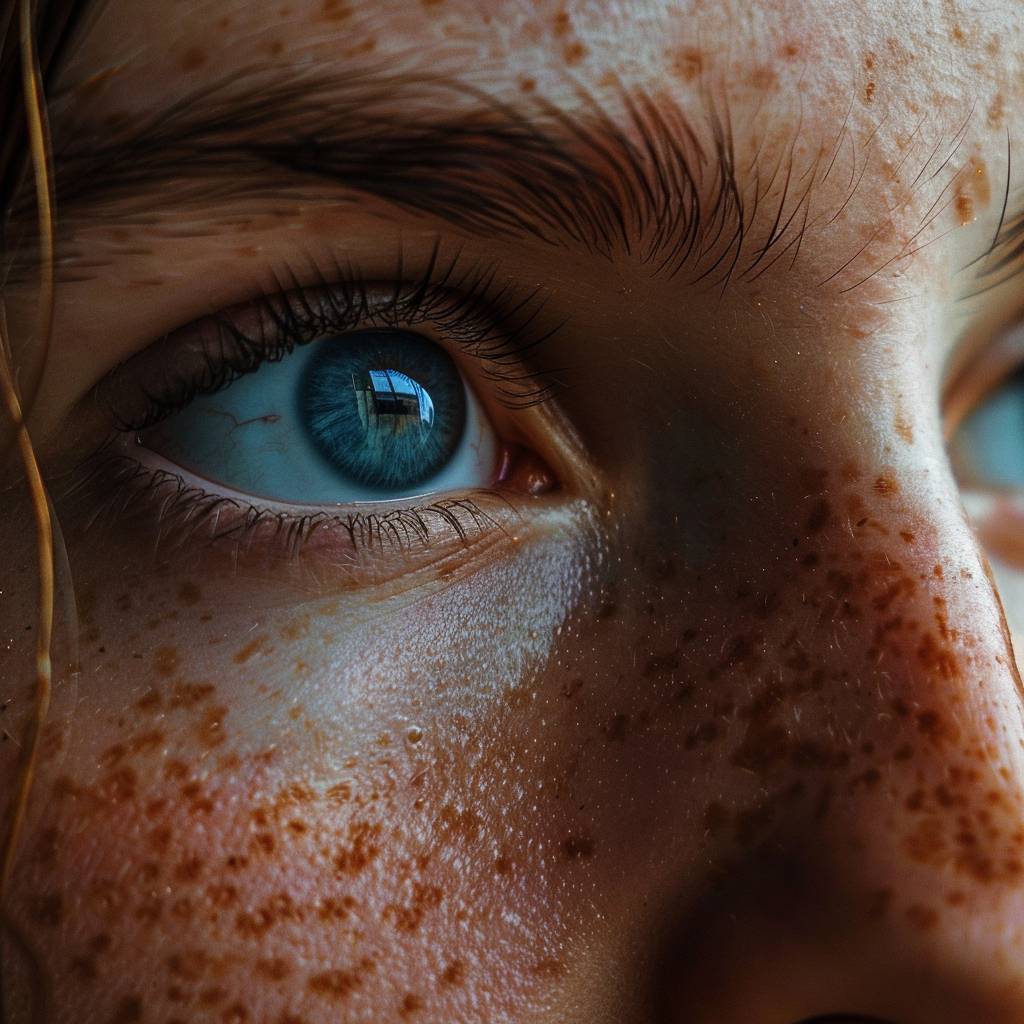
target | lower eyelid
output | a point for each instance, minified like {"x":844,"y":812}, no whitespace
{"x":173,"y":517}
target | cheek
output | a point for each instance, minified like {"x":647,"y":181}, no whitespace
{"x":312,"y":799}
{"x":840,"y":678}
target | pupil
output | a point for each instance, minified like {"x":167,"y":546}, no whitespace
{"x":386,"y":409}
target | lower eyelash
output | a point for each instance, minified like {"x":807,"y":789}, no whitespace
{"x":182,"y":514}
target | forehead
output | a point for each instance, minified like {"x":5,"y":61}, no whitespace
{"x":822,"y":54}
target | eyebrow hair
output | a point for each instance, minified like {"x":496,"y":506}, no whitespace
{"x":652,"y":186}
{"x":655,"y":183}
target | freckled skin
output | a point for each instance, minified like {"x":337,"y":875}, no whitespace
{"x":749,"y":703}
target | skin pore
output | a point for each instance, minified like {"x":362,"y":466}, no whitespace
{"x":726,"y":726}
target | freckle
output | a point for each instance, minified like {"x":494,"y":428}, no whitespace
{"x":886,"y":486}
{"x":257,"y":644}
{"x":113,"y":755}
{"x":904,"y":429}
{"x":235,"y":1014}
{"x":688,"y":63}
{"x":339,"y":984}
{"x":192,"y":59}
{"x":957,"y":35}
{"x":189,"y":869}
{"x":454,"y":973}
{"x":996,"y":111}
{"x":763,"y":79}
{"x":432,"y":3}
{"x":189,"y":594}
{"x":336,"y":10}
{"x":361,"y":850}
{"x":408,"y":917}
{"x":276,"y":48}
{"x":791,"y":50}
{"x":165,"y":660}
{"x":119,"y":786}
{"x":150,"y":701}
{"x":560,"y":24}
{"x":410,"y":1004}
{"x":573,"y":53}
{"x":175,"y":771}
{"x":964,"y":208}
{"x":869,"y":61}
{"x":210,"y":731}
{"x":936,"y":728}
{"x":869,"y":92}
{"x":188,"y":695}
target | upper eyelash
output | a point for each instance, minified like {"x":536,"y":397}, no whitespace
{"x":487,"y":322}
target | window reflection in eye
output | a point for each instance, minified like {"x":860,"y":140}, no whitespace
{"x":367,"y":416}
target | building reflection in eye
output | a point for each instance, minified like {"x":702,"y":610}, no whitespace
{"x":390,"y":401}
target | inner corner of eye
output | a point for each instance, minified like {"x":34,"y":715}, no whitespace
{"x":365,"y":416}
{"x":525,"y":472}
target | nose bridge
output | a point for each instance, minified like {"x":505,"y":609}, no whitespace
{"x":891,"y":697}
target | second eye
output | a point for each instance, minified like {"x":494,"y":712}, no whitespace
{"x":369,"y":415}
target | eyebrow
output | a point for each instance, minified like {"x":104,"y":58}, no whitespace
{"x":654,"y":182}
{"x":649,"y":185}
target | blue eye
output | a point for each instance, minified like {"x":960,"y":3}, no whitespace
{"x":367,"y":416}
{"x":386,"y":408}
{"x":987,"y":449}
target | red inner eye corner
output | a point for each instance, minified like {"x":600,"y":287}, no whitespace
{"x":521,"y":470}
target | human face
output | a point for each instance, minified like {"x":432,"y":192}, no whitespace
{"x":707,"y":710}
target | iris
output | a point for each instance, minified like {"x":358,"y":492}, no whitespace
{"x":386,"y":408}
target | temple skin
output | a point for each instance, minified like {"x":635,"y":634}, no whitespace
{"x":726,"y":729}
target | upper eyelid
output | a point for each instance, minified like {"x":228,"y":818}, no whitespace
{"x":496,"y":326}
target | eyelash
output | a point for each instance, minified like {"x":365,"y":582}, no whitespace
{"x":487,"y":322}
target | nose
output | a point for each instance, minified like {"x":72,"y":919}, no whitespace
{"x":875,"y":873}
